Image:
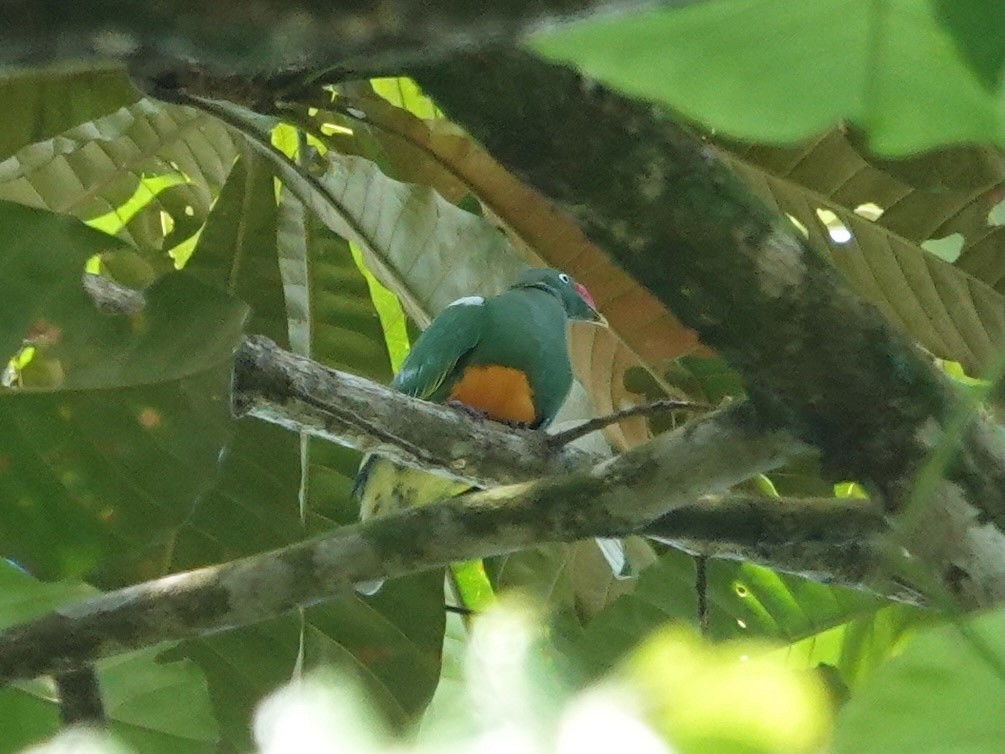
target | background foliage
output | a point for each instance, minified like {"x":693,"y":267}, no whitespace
{"x":335,"y":227}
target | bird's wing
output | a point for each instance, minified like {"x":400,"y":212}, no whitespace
{"x":433,"y":360}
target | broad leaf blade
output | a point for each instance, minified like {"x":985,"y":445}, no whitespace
{"x":776,"y":73}
{"x":744,"y":601}
{"x":40,"y":104}
{"x":42,"y":259}
{"x":309,"y":292}
{"x":944,"y":692}
{"x":95,"y":168}
{"x":106,"y":461}
{"x":953,"y":314}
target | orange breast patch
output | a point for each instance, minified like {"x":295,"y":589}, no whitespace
{"x":500,"y":392}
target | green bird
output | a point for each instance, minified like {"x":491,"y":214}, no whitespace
{"x":504,"y":357}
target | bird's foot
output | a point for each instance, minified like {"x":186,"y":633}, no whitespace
{"x":475,"y":413}
{"x":464,"y":408}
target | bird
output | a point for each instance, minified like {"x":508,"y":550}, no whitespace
{"x":503,"y":357}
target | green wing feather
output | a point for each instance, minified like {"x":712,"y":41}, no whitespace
{"x":431,"y":365}
{"x":428,"y":373}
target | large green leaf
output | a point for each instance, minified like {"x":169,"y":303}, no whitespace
{"x":744,"y":600}
{"x":42,"y":259}
{"x":105,"y":458}
{"x":856,"y":648}
{"x":423,"y":248}
{"x":774,"y":72}
{"x":944,"y":692}
{"x":154,"y":706}
{"x":95,"y":169}
{"x":950,"y":192}
{"x":946,"y":307}
{"x":40,"y":104}
{"x":978,"y":29}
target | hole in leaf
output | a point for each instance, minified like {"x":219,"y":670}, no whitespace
{"x":799,"y":226}
{"x":947,"y":249}
{"x":740,"y":589}
{"x":869,"y":211}
{"x":836,"y":229}
{"x":997,"y":214}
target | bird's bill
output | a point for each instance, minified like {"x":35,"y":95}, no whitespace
{"x":588,"y":298}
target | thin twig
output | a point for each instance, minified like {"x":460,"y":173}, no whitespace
{"x":646,"y":409}
{"x":80,"y":696}
{"x":701,"y":590}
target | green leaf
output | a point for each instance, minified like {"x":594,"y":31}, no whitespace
{"x":103,"y":463}
{"x":42,"y":103}
{"x":855,"y":649}
{"x":773,"y":72}
{"x":154,"y":706}
{"x":43,"y":258}
{"x":236,"y":250}
{"x":944,"y":692}
{"x":727,"y":698}
{"x":833,"y":192}
{"x":977,"y":28}
{"x":96,"y":168}
{"x":272,"y":490}
{"x":416,"y":242}
{"x":949,"y":193}
{"x":744,"y":600}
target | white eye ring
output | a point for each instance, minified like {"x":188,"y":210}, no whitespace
{"x":564,"y":278}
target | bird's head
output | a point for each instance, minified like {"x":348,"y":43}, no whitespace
{"x":576,"y":300}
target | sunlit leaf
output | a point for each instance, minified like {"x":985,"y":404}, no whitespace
{"x":773,"y":73}
{"x":734,"y":697}
{"x":944,"y":692}
{"x":826,"y":183}
{"x":744,"y":600}
{"x":95,"y":168}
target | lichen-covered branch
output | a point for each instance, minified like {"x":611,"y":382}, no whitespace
{"x":825,"y":539}
{"x":816,"y":358}
{"x":615,"y":497}
{"x":304,"y":396}
{"x":282,"y":388}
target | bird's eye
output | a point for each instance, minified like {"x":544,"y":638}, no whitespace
{"x":565,"y":278}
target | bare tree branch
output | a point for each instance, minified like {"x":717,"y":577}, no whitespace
{"x":302,"y":395}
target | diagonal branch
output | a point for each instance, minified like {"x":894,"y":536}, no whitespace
{"x":302,"y":395}
{"x":279,"y":387}
{"x":615,"y":497}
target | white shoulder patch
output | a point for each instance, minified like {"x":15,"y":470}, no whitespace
{"x":468,"y":301}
